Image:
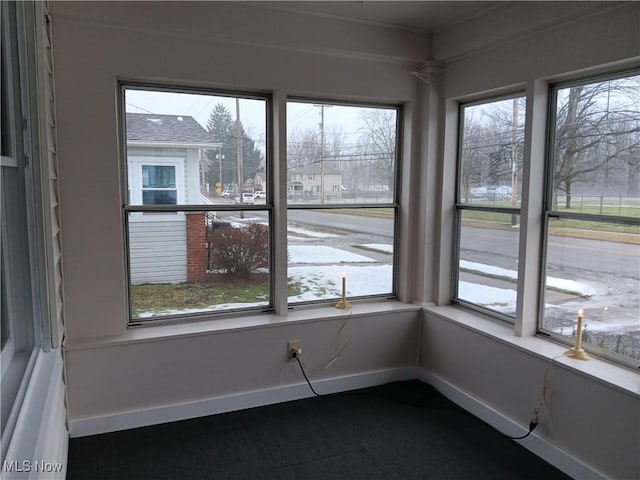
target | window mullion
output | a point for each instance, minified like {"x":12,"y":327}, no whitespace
{"x":531,"y":213}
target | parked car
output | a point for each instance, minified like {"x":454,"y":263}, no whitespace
{"x":226,"y":193}
{"x":260,"y":194}
{"x":503,"y":192}
{"x":481,"y":192}
{"x":246,"y":198}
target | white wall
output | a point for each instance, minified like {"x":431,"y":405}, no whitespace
{"x":589,"y":417}
{"x":112,"y":371}
{"x":95,"y":44}
{"x":218,"y":45}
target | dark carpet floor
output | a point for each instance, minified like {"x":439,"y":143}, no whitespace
{"x":402,"y":430}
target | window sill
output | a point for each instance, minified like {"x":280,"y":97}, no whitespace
{"x":150,"y":333}
{"x":617,"y":376}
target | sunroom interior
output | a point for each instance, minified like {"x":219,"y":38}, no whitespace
{"x":89,"y":365}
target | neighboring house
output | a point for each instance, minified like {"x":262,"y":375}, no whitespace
{"x":260,"y":181}
{"x":307,"y":181}
{"x":163,"y":168}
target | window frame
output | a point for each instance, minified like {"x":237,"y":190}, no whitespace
{"x":460,"y":206}
{"x":129,"y":172}
{"x":395,"y":204}
{"x":548,"y":212}
{"x":23,"y":254}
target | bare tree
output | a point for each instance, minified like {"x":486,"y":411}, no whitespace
{"x":377,"y":146}
{"x":597,"y":127}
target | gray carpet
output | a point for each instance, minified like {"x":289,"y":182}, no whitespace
{"x":402,"y":430}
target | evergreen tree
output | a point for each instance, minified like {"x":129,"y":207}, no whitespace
{"x":223,"y":129}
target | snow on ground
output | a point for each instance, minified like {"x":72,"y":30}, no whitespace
{"x":326,"y":281}
{"x":211,"y":308}
{"x":309,"y":233}
{"x":318,"y":254}
{"x":382,"y":247}
{"x":500,"y":299}
{"x":570,"y":286}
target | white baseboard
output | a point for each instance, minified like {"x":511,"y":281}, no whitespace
{"x":169,"y":413}
{"x":534,"y":443}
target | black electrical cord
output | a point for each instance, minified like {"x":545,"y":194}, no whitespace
{"x":296,"y":356}
{"x":532,"y":426}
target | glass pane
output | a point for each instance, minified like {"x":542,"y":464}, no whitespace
{"x":158,"y":176}
{"x":197,"y":262}
{"x":198,"y":133}
{"x":488,"y":265}
{"x":340,"y":154}
{"x":159,"y":197}
{"x":492,"y":152}
{"x":325,"y":244}
{"x":596,"y":149}
{"x":596,"y":270}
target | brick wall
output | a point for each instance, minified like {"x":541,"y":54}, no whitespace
{"x":196,"y":247}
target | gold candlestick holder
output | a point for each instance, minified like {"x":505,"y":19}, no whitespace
{"x":577,"y":351}
{"x":343,"y":303}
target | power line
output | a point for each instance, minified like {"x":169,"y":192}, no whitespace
{"x":140,"y":108}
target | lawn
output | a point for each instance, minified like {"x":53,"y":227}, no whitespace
{"x":222,"y":289}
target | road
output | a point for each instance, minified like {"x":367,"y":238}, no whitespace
{"x":495,"y":247}
{"x":499,"y":247}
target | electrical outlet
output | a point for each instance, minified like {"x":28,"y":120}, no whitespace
{"x":293,"y":346}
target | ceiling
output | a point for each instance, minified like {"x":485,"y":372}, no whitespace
{"x":426,"y":16}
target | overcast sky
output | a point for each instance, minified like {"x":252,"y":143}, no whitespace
{"x":300,"y":115}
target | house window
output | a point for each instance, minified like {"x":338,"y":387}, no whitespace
{"x":592,"y":216}
{"x":159,"y":185}
{"x":198,"y":242}
{"x":488,"y":205}
{"x":350,"y":230}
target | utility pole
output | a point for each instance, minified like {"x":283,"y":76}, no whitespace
{"x":239,"y":149}
{"x":514,"y":153}
{"x":322,"y":107}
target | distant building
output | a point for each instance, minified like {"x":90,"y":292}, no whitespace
{"x":308,"y":182}
{"x":163,"y":168}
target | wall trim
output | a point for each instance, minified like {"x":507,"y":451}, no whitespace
{"x":539,"y":446}
{"x":40,"y":436}
{"x":238,"y":401}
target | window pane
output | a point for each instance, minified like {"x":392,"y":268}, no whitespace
{"x":491,"y":152}
{"x":488,"y":260}
{"x":197,"y":134}
{"x":159,"y":197}
{"x":596,"y":148}
{"x":324,"y":244}
{"x":194,"y":262}
{"x":340,"y":154}
{"x":596,"y":270}
{"x":155,"y":176}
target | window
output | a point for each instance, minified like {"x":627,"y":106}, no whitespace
{"x":592,"y":216}
{"x":342,"y":206}
{"x":20,"y":313}
{"x":197,"y":236}
{"x":159,"y":185}
{"x":488,"y":204}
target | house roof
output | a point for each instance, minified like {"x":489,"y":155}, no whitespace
{"x":173,"y":129}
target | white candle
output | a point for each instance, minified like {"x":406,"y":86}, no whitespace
{"x":579,"y":330}
{"x":344,"y":286}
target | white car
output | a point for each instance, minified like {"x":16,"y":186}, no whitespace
{"x":503,"y":192}
{"x":260,"y":194}
{"x":246,"y":198}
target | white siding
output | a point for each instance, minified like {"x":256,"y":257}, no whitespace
{"x":158,"y":249}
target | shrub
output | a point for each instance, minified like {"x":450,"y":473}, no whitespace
{"x":240,"y":250}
